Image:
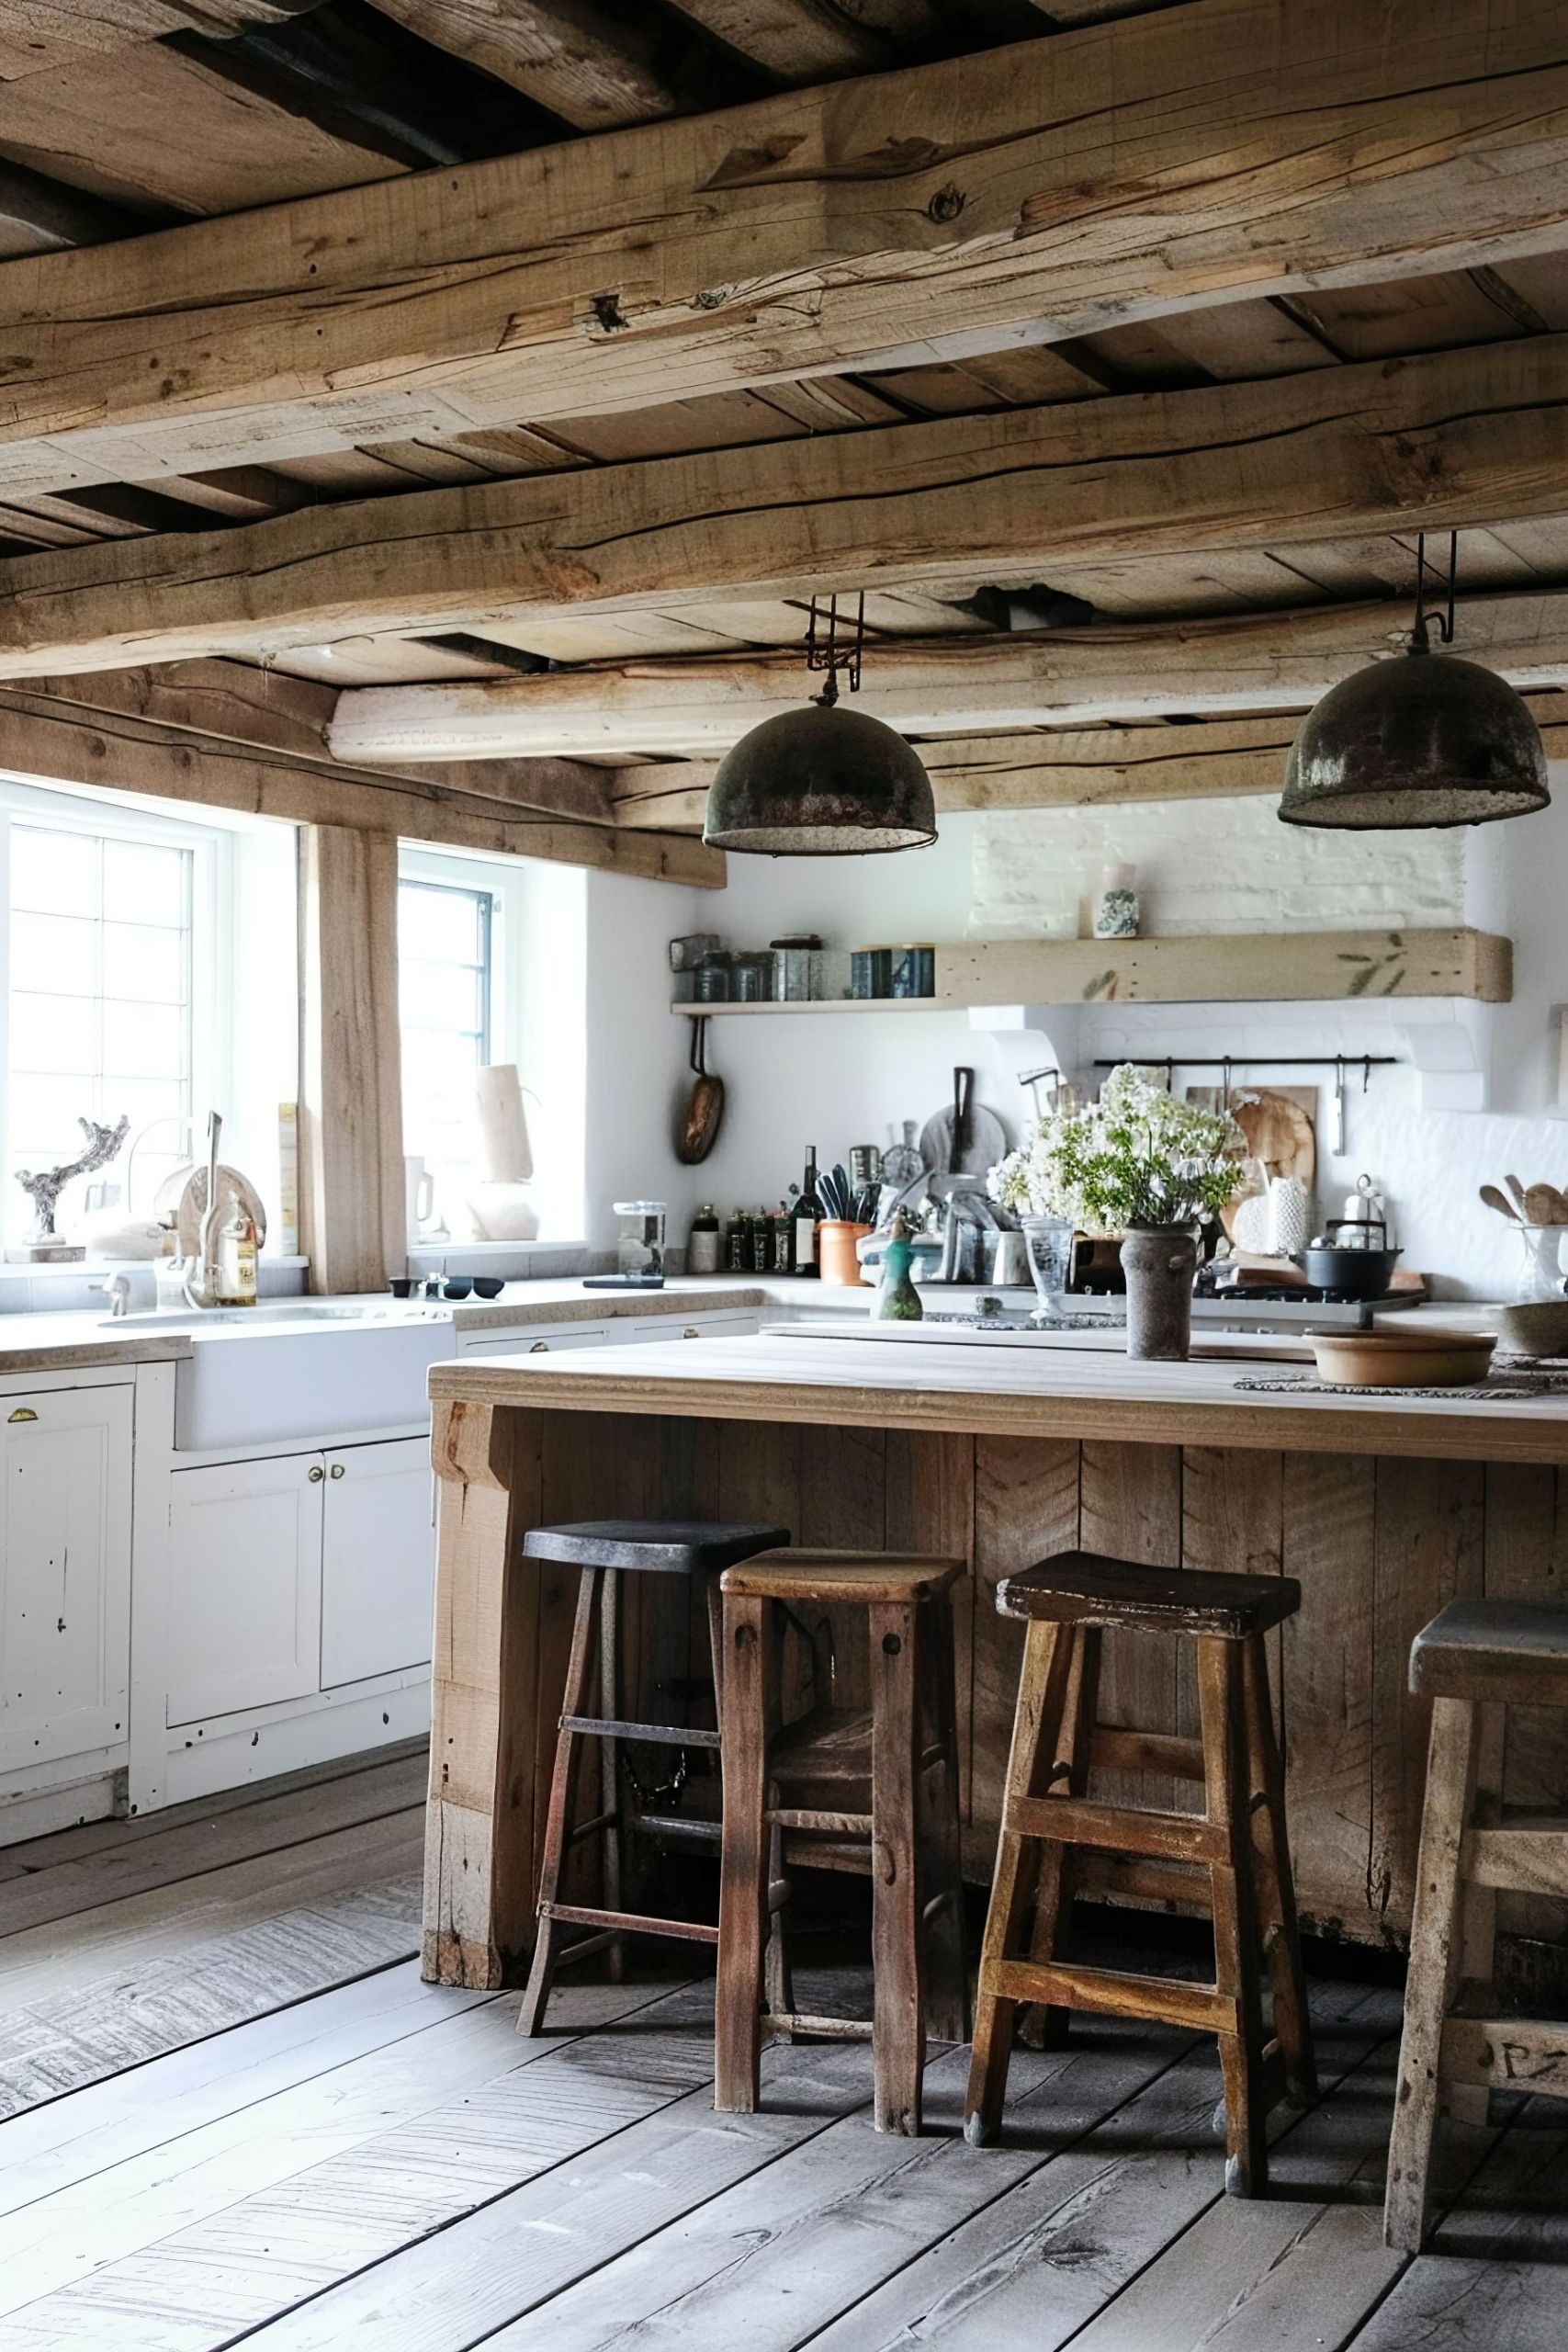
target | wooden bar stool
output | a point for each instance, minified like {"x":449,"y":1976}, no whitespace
{"x":874,"y":1789}
{"x":1473,"y":1661}
{"x":1238,"y":1843}
{"x":605,"y":1550}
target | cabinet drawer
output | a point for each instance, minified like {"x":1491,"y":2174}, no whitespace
{"x":734,"y":1323}
{"x":533,"y":1340}
{"x":245,"y":1585}
{"x":378,"y":1560}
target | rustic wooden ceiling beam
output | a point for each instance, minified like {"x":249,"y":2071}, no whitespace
{"x":596,"y":70}
{"x":1061,"y":768}
{"x":792,"y":41}
{"x":948,"y":685}
{"x":230,"y":702}
{"x":59,"y":740}
{"x":1191,"y":157}
{"x":1453,"y":437}
{"x":37,"y":35}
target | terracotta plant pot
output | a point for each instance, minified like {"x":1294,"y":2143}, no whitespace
{"x":1159,"y":1262}
{"x":836,"y":1253}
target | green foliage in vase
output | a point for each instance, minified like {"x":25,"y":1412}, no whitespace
{"x":1137,"y":1157}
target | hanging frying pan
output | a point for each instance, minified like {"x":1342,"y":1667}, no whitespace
{"x":698,"y":1131}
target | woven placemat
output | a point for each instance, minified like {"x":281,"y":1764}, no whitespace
{"x":1509,"y":1386}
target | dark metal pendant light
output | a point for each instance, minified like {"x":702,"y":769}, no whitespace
{"x":1419,"y":740}
{"x":822,"y":781}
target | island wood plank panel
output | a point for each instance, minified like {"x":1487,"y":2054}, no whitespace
{"x":1378,"y":1543}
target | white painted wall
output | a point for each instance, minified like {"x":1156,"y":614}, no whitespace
{"x":1205,"y":865}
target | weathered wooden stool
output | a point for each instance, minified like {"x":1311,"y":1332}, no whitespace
{"x":1474,"y":1660}
{"x":874,"y":1789}
{"x":604,"y":1549}
{"x":1238,"y":1842}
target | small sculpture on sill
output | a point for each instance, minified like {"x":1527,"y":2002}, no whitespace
{"x":43,"y":1244}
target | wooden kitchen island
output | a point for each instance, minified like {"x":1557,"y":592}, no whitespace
{"x":1385,"y":1508}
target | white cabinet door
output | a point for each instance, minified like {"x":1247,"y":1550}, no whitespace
{"x":65,"y":1579}
{"x":245,"y":1585}
{"x":377,"y":1561}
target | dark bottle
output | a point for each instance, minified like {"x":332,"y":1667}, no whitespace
{"x":761,"y":1228}
{"x":783,"y":1241}
{"x":807,"y":1217}
{"x":737,"y":1244}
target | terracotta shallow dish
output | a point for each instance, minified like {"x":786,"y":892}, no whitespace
{"x":1403,"y":1359}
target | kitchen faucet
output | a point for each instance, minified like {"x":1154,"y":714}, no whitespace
{"x":116,"y":1290}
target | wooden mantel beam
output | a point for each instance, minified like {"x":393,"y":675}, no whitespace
{"x":1457,"y":437}
{"x":1193,"y":156}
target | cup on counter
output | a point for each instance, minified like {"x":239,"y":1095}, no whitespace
{"x":835,"y":1258}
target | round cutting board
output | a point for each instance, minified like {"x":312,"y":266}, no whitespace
{"x":988,"y":1144}
{"x":231,"y":1186}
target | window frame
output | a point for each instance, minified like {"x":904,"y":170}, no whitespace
{"x":60,"y":809}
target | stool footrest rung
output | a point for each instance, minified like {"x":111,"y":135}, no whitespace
{"x":782,"y":2021}
{"x":835,"y":1824}
{"x":584,"y":1948}
{"x":629,"y":1923}
{"x":679,"y":1825}
{"x":1511,"y":2054}
{"x":591,"y":1828}
{"x":651,"y":1735}
{"x":1117,"y":1830}
{"x":1530,"y":1857}
{"x":1164,"y":2000}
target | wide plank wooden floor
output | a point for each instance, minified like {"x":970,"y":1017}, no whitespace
{"x":234,"y":2115}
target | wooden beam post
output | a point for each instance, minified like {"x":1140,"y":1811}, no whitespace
{"x":351,"y":1105}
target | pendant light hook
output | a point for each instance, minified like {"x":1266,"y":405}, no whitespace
{"x":826,"y":649}
{"x":1444,"y":622}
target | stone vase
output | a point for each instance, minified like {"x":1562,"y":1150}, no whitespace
{"x":1160,"y":1263}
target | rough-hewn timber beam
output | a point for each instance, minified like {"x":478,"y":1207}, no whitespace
{"x":1227,"y":148}
{"x":71,"y":745}
{"x":1462,"y":436}
{"x":965,"y":686}
{"x":1065,"y":768}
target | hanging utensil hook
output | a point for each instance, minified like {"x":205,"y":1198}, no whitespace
{"x":1444,"y":621}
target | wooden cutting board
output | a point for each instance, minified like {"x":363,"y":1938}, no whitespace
{"x":1280,"y":1127}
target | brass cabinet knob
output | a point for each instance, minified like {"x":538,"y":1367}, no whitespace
{"x":22,"y":1413}
{"x":539,"y":1348}
{"x":339,"y":1470}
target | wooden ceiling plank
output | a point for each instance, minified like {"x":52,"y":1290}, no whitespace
{"x":1225,"y":149}
{"x":949,"y":686}
{"x":792,"y":41}
{"x":1339,"y":453}
{"x":593,"y":68}
{"x":37,"y":36}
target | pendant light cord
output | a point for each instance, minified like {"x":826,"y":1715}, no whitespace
{"x":1420,"y":639}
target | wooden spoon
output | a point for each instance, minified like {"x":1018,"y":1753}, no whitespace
{"x":1493,"y":1199}
{"x":1545,"y":1205}
{"x":1517,"y":1189}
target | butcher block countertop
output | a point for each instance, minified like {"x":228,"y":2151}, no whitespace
{"x":1000,"y":1390}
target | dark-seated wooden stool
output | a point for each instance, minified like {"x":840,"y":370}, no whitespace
{"x":871,"y":1788}
{"x":1473,"y":1661}
{"x":1237,"y":1842}
{"x":604,"y":1549}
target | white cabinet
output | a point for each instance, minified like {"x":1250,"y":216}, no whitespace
{"x":732,"y":1323}
{"x":297,"y":1573}
{"x":378,"y":1560}
{"x":65,"y":1586}
{"x":245,"y":1583}
{"x":533,"y":1339}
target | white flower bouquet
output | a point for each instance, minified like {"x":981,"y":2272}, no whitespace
{"x":1137,"y":1157}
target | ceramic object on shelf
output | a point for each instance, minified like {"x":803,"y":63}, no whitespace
{"x":1160,"y":1263}
{"x":1543,"y":1272}
{"x":836,"y":1257}
{"x":1116,"y":910}
{"x":1403,"y":1359}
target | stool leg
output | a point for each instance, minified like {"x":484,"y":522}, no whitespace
{"x":898,"y":2028}
{"x":610,"y":1755}
{"x":743,"y":1869}
{"x":1470,"y":2102}
{"x":777,"y":1986}
{"x":1045,"y":2027}
{"x":1434,"y":1966}
{"x":552,"y":1934}
{"x":941,"y":1873}
{"x":1220,"y":1699}
{"x":1042,"y":1694}
{"x":1276,"y":1885}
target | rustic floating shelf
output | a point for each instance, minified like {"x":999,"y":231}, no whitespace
{"x":1240,"y":968}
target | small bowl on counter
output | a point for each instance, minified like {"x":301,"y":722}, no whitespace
{"x":1403,"y":1359}
{"x":1535,"y":1327}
